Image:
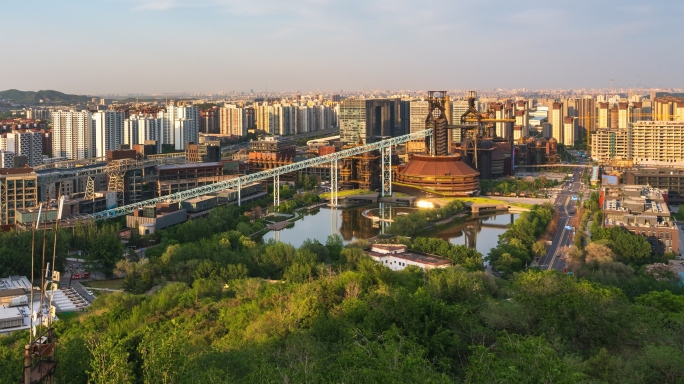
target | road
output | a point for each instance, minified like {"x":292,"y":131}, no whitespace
{"x":564,"y":236}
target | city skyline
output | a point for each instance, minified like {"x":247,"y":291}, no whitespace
{"x":211,"y":46}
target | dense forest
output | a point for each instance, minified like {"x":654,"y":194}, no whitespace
{"x":228,"y":309}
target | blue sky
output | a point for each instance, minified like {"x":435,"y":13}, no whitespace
{"x":156,"y":46}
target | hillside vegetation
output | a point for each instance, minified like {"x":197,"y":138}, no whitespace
{"x":45,"y":97}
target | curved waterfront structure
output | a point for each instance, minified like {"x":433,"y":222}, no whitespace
{"x":441,"y":175}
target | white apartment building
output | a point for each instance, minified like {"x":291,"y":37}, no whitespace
{"x":73,"y":136}
{"x":109,"y":128}
{"x":140,"y":128}
{"x":179,"y":125}
{"x":26,"y":143}
{"x":660,"y":141}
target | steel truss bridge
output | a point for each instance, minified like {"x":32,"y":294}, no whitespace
{"x":555,"y":166}
{"x":53,"y":173}
{"x":384,"y":146}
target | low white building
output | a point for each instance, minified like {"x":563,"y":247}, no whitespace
{"x":396,"y":257}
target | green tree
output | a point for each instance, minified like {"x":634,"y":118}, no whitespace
{"x":109,"y":364}
{"x":519,"y":359}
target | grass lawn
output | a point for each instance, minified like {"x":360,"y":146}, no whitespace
{"x":110,"y":284}
{"x":276,"y":218}
{"x":347,"y":193}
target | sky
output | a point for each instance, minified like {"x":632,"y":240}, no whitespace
{"x":205,"y":46}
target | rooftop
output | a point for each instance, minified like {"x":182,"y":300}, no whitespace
{"x":417,"y":257}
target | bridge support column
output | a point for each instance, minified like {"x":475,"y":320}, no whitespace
{"x":334,"y":197}
{"x":387,"y":171}
{"x":276,"y":192}
{"x":239,"y":192}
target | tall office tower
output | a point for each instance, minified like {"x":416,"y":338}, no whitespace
{"x":6,"y":159}
{"x":353,"y":121}
{"x":29,"y":144}
{"x":73,"y":136}
{"x":603,"y":115}
{"x":458,"y":108}
{"x":209,"y":120}
{"x":624,"y":115}
{"x":108,"y":127}
{"x":569,"y":131}
{"x":405,"y":115}
{"x":417,"y":114}
{"x":233,"y":121}
{"x":556,"y":120}
{"x":366,"y":120}
{"x":659,"y":141}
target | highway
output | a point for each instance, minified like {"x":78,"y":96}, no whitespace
{"x":564,"y":236}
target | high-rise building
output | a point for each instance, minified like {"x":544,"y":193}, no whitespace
{"x":418,"y":114}
{"x":180,"y":126}
{"x":73,"y":136}
{"x":366,"y":120}
{"x":141,"y":128}
{"x":109,"y":128}
{"x":556,"y":120}
{"x":624,"y":115}
{"x":29,"y":144}
{"x":608,"y":144}
{"x":569,"y":131}
{"x":233,"y":121}
{"x":265,"y":119}
{"x":679,"y":111}
{"x":209,"y":120}
{"x":458,"y":108}
{"x":6,"y":159}
{"x":603,"y":115}
{"x":522,"y":121}
{"x":584,"y":109}
{"x":657,"y":141}
{"x":19,"y":190}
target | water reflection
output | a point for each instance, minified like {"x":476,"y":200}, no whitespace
{"x":481,"y":233}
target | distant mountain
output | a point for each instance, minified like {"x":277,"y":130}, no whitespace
{"x":47,"y":97}
{"x":663,"y":94}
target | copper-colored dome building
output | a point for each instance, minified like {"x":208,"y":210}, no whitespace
{"x":442,"y":175}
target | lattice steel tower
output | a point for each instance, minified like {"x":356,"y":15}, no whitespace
{"x":437,"y":120}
